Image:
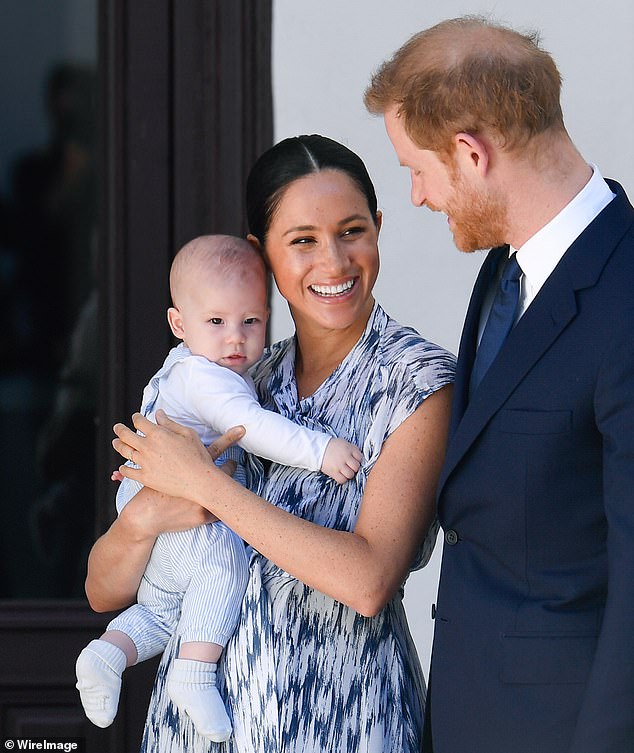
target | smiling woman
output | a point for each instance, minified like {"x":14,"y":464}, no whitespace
{"x":325,"y":270}
{"x":322,"y":657}
{"x":325,"y":267}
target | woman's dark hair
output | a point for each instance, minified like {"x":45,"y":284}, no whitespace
{"x":294,"y":158}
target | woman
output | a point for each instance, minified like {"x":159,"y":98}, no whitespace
{"x":322,"y":659}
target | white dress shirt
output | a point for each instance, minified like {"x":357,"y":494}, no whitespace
{"x":541,"y":253}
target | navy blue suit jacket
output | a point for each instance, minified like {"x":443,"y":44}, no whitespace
{"x":534,"y":633}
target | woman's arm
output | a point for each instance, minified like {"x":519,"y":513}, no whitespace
{"x":363,"y":568}
{"x":118,"y":558}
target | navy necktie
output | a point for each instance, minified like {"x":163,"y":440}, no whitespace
{"x":500,"y":321}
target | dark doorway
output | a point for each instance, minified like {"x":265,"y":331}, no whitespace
{"x":128,"y":128}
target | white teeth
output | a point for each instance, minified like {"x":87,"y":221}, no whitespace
{"x":332,"y":289}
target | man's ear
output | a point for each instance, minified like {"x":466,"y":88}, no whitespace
{"x":175,"y":320}
{"x":471,"y":153}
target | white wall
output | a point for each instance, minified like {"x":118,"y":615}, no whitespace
{"x":323,"y":55}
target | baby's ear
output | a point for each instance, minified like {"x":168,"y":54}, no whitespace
{"x":175,"y":320}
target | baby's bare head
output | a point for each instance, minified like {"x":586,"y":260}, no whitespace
{"x":214,"y":258}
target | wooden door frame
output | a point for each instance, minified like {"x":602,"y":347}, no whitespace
{"x":188,"y":108}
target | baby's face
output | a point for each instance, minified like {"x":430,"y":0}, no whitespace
{"x":225,"y":321}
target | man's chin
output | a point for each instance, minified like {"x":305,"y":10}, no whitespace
{"x":469,"y":245}
{"x":465,"y":246}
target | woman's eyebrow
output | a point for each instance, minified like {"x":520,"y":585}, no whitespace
{"x":298,"y":229}
{"x":352,"y":218}
{"x":308,"y":228}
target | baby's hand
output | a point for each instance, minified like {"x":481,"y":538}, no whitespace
{"x":341,"y":460}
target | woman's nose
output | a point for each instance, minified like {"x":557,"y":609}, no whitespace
{"x":335,"y":256}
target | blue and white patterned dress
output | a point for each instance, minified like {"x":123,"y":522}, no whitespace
{"x":303,"y":672}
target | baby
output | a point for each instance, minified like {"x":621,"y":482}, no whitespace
{"x":195,"y":580}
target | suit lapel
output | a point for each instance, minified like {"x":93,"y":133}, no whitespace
{"x":548,"y":315}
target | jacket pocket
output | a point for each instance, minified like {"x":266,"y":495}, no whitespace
{"x":547,"y":658}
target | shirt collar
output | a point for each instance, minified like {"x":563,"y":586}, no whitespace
{"x":541,"y":253}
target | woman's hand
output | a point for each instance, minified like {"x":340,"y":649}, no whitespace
{"x":170,"y":456}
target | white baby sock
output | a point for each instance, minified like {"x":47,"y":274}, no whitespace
{"x":192,"y":687}
{"x":99,"y":668}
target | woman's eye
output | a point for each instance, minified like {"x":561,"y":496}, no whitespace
{"x":251,"y":320}
{"x":301,"y":241}
{"x":215,"y":320}
{"x":353,"y":231}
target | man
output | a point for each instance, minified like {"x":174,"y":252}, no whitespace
{"x":534,"y":628}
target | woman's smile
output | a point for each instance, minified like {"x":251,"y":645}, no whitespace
{"x":338,"y":291}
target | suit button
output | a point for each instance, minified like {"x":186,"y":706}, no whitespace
{"x":433,"y":611}
{"x":451,"y":537}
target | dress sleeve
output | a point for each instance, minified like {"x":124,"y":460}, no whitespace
{"x":417,"y":377}
{"x":412,"y":371}
{"x":222,"y":399}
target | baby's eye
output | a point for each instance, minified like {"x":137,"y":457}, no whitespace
{"x":215,"y":320}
